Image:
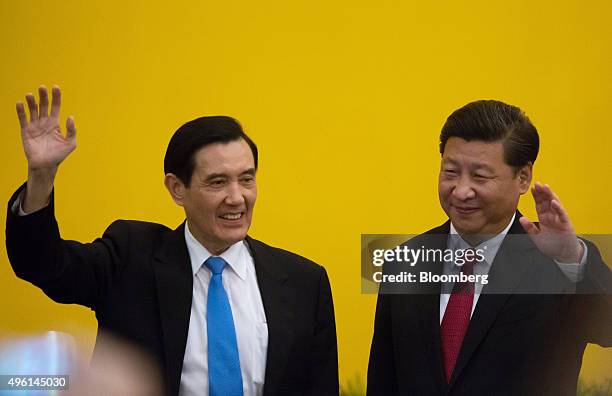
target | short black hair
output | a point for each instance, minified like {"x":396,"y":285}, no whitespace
{"x":195,"y":134}
{"x":492,"y":121}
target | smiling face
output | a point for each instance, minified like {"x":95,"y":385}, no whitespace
{"x":220,"y":198}
{"x":477,"y":189}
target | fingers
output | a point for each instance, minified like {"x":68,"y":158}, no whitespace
{"x":70,"y":128}
{"x":540,"y":194}
{"x":560,"y":211}
{"x":550,"y":193}
{"x":542,"y":204}
{"x":536,"y":191}
{"x":543,"y":196}
{"x":40,"y":110}
{"x":529,"y":227}
{"x":549,"y":208}
{"x":23,"y":120}
{"x":56,"y":97}
{"x":43,"y":94}
{"x":32,"y":106}
{"x":545,"y":192}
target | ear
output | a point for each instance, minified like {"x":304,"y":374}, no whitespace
{"x":524,"y":175}
{"x":175,"y":187}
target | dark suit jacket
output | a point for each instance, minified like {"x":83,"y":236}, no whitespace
{"x":138,"y":280}
{"x":516,"y":344}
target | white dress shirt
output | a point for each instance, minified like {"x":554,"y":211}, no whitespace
{"x":572,"y":270}
{"x":240,"y":284}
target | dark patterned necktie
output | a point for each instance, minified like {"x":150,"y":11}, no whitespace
{"x":457,"y":319}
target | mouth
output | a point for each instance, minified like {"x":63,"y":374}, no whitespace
{"x":465,"y":210}
{"x":232,"y":216}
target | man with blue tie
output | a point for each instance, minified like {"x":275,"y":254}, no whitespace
{"x":220,"y":312}
{"x":547,"y":293}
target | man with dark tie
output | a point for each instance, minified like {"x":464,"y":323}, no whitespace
{"x":220,"y":312}
{"x":523,"y":331}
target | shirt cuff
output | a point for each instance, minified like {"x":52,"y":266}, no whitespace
{"x":17,"y":209}
{"x":575,"y":271}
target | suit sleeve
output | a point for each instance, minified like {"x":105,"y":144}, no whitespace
{"x":595,"y":299}
{"x":325,"y":373}
{"x":67,"y":271}
{"x":382,"y":379}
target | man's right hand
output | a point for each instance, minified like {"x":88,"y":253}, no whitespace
{"x":44,"y":145}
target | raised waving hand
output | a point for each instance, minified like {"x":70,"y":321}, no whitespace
{"x":44,"y":144}
{"x":554,"y":235}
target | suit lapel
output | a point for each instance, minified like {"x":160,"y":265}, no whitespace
{"x":429,"y":307}
{"x":508,"y":268}
{"x":174,"y":280}
{"x":278,"y":299}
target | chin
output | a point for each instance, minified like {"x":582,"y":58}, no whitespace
{"x":465,"y":227}
{"x":235,"y":237}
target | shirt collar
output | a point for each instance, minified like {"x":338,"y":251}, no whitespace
{"x":492,"y":245}
{"x":234,"y":255}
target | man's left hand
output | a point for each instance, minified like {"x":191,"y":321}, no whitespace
{"x":554,"y":235}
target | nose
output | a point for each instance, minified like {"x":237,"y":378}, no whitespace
{"x":234,"y":194}
{"x":463,"y":190}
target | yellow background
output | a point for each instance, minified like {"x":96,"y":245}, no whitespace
{"x":344,"y":98}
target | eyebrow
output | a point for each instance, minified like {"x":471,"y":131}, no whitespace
{"x":483,"y":167}
{"x":250,"y":171}
{"x":448,"y":160}
{"x":476,"y":166}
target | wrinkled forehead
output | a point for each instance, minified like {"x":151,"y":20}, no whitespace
{"x":232,"y":158}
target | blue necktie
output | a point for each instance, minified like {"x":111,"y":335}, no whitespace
{"x":224,"y":376}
